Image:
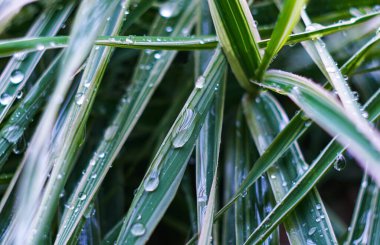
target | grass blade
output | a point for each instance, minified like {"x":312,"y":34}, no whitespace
{"x":265,"y":118}
{"x":130,"y":109}
{"x":154,"y":196}
{"x":288,"y":18}
{"x":21,"y":65}
{"x":238,"y":36}
{"x":8,"y":9}
{"x":309,"y":179}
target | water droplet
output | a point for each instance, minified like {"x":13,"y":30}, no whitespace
{"x":79,"y":98}
{"x":19,"y":95}
{"x":318,"y":206}
{"x":40,"y":47}
{"x":82,"y":196}
{"x":101,"y":155}
{"x":157,"y":56}
{"x":184,"y":129}
{"x":12,"y":133}
{"x":94,"y":176}
{"x":170,"y":8}
{"x":16,"y":77}
{"x":110,"y":132}
{"x":201,"y":196}
{"x":138,"y":229}
{"x":340,"y":163}
{"x":200,"y":82}
{"x":151,"y":183}
{"x":93,"y":162}
{"x":169,"y":29}
{"x":5,"y":99}
{"x":312,"y":231}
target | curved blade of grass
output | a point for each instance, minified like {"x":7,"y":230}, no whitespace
{"x":325,"y":110}
{"x":238,"y":37}
{"x":293,"y":130}
{"x":85,"y":30}
{"x":265,"y":119}
{"x":150,"y":202}
{"x":131,"y":107}
{"x":321,"y":165}
{"x":366,"y":209}
{"x":69,"y":134}
{"x":14,"y":127}
{"x":8,"y":9}
{"x":289,"y":16}
{"x":21,"y":65}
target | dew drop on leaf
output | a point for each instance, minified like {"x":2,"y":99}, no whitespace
{"x":151,"y":183}
{"x":16,"y":77}
{"x":138,"y":229}
{"x":184,"y":129}
{"x":5,"y":99}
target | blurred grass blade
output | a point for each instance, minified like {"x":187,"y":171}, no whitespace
{"x":238,"y":36}
{"x":265,"y":119}
{"x":289,"y":16}
{"x":8,"y":9}
{"x":35,"y":173}
{"x":321,"y":165}
{"x":69,"y":132}
{"x":145,"y":81}
{"x":19,"y":68}
{"x":364,"y":218}
{"x":154,"y":196}
{"x":13,"y":129}
{"x":325,"y":110}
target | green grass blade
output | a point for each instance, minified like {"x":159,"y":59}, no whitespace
{"x":238,"y":36}
{"x":265,"y":118}
{"x":35,"y":173}
{"x":256,"y":203}
{"x":130,"y":109}
{"x":330,"y":115}
{"x":366,"y":209}
{"x":21,"y":65}
{"x":153,"y":196}
{"x":208,"y":156}
{"x":13,"y":129}
{"x":289,"y":16}
{"x":321,"y":165}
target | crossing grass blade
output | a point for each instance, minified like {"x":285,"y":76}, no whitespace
{"x":20,"y":67}
{"x":238,"y":36}
{"x":288,"y":18}
{"x":265,"y":118}
{"x":292,"y":131}
{"x":8,"y":9}
{"x":321,"y":165}
{"x":329,"y":115}
{"x":154,"y":195}
{"x":130,"y":108}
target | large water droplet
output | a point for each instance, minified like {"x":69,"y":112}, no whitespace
{"x":16,"y":77}
{"x":312,"y":230}
{"x":138,"y":229}
{"x":202,"y":196}
{"x":79,"y":98}
{"x":200,"y":82}
{"x":82,"y":196}
{"x":5,"y":99}
{"x":171,"y":8}
{"x":110,"y":132}
{"x":340,"y":163}
{"x":12,"y":133}
{"x":184,"y":129}
{"x":151,"y":183}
